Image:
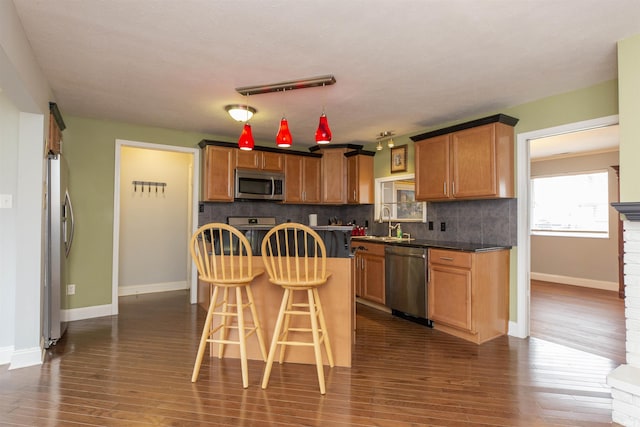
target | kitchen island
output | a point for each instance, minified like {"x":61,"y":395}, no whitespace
{"x":336,"y":295}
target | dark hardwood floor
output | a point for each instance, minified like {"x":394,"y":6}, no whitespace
{"x":135,"y":369}
{"x":590,"y":320}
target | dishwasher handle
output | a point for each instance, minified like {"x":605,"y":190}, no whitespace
{"x":406,"y":252}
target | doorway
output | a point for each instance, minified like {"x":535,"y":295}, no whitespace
{"x":521,"y":327}
{"x":156,"y":191}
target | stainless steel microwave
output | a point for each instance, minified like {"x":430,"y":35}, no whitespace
{"x":260,"y":185}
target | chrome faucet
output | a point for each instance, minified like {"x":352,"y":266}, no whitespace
{"x":391,"y":227}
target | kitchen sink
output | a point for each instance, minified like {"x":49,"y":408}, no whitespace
{"x":386,"y":238}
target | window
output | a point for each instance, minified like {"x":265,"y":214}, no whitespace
{"x":398,"y":193}
{"x":571,"y":205}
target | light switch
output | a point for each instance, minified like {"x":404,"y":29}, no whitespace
{"x":6,"y":201}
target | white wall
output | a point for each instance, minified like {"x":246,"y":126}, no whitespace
{"x":579,"y":261}
{"x":25,"y":87}
{"x":153,"y":225}
{"x":9,"y":116}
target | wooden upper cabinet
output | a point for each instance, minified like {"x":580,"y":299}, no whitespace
{"x":359,"y":178}
{"x":334,"y":176}
{"x":219,"y":163}
{"x":432,"y":168}
{"x":302,"y":179}
{"x":260,"y":160}
{"x":473,"y":163}
{"x":56,"y":126}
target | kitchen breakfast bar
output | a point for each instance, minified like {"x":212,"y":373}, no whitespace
{"x":337,"y":296}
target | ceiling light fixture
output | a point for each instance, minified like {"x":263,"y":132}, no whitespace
{"x":245,"y":142}
{"x":246,"y":138}
{"x":283,"y":138}
{"x":323,"y":134}
{"x":290,"y":85}
{"x":240,"y":113}
{"x":384,"y":135}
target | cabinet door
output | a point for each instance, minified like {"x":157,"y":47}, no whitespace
{"x":311,"y":178}
{"x":358,"y":273}
{"x":218,"y":173}
{"x":432,"y":168}
{"x":473,"y":162}
{"x":55,"y":136}
{"x":360,"y":179}
{"x":334,"y":180}
{"x":293,"y":179}
{"x":248,"y":159}
{"x":272,"y":161}
{"x":373,"y":278}
{"x":450,"y":296}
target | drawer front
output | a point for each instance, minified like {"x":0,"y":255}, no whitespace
{"x":370,"y":248}
{"x":454,"y":258}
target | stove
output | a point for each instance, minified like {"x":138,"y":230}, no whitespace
{"x":251,"y":221}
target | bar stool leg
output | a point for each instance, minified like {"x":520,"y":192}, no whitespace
{"x":256,"y":323}
{"x":316,"y":339}
{"x":275,"y":338}
{"x":285,"y":328}
{"x":323,"y":326}
{"x":242,"y":338}
{"x":224,"y":332}
{"x":206,"y":332}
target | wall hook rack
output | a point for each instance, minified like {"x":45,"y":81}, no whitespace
{"x":148,"y":184}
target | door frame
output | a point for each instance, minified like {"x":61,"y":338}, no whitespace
{"x":521,"y":327}
{"x":193,"y":220}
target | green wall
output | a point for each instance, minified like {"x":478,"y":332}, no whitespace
{"x":89,"y":146}
{"x":629,"y":75}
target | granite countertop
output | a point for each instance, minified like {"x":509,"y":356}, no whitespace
{"x":457,"y":246}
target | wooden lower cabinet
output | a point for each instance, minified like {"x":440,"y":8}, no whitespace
{"x":369,"y":272}
{"x":468,"y":293}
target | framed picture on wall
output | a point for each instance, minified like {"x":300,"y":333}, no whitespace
{"x":399,"y":158}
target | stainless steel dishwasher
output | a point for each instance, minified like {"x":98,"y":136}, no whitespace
{"x":406,"y":282}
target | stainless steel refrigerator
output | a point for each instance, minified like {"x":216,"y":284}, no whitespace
{"x":59,"y":228}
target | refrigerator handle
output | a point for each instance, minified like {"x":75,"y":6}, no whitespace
{"x":68,"y":237}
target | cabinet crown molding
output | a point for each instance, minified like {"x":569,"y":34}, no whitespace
{"x":497,"y":118}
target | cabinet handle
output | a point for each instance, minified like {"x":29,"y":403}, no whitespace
{"x":444,"y":188}
{"x":304,"y":196}
{"x":453,"y":188}
{"x":446,"y":258}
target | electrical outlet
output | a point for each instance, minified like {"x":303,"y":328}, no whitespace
{"x":443,"y":226}
{"x":430,"y":225}
{"x":71,"y":289}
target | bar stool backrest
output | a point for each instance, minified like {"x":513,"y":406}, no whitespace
{"x":222,"y":254}
{"x":294,"y":255}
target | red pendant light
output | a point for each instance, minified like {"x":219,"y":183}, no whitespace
{"x":283,"y":139}
{"x":246,"y":138}
{"x":323,"y":134}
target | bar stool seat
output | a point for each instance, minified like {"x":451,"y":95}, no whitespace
{"x":294,"y":256}
{"x":223,"y":257}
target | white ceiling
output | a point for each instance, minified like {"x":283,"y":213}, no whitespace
{"x":400,"y":65}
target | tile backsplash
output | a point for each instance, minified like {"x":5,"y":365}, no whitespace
{"x":475,"y":221}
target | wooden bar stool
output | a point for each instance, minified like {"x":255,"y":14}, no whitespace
{"x":295,"y":258}
{"x":224,"y":259}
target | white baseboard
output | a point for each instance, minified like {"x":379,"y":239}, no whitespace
{"x":5,"y":354}
{"x":516,"y":330}
{"x":575,"y":281}
{"x":27,"y":357}
{"x":152,"y":288}
{"x":85,"y":312}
